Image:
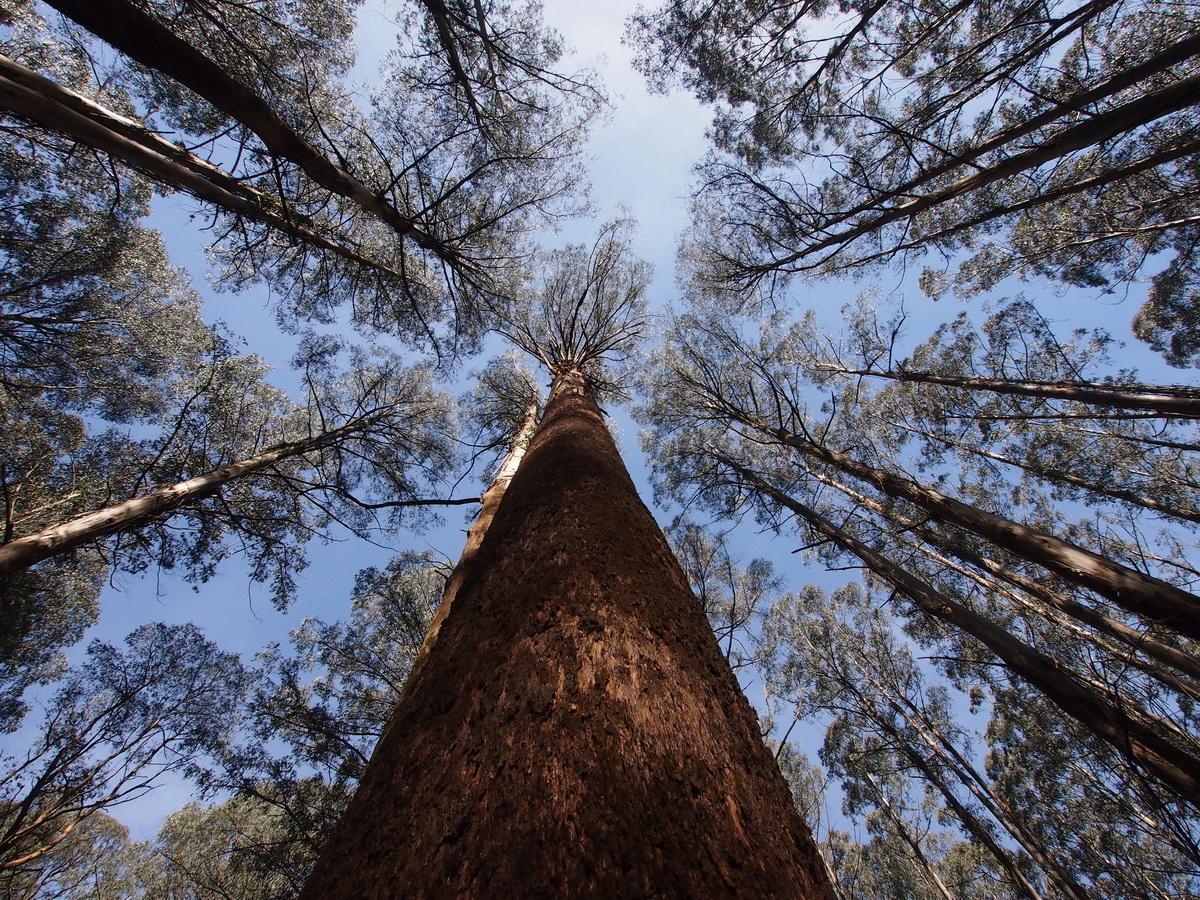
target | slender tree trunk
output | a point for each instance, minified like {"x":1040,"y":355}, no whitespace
{"x":971,"y":822}
{"x":1061,"y":620}
{"x":1171,"y":657}
{"x":1094,"y":130}
{"x":1170,"y":400}
{"x":950,"y":758}
{"x":907,"y":837}
{"x":1134,"y":591}
{"x":1147,"y":742}
{"x":1061,"y":476}
{"x":58,"y":109}
{"x":144,"y":39}
{"x":1171,"y":56}
{"x":139,"y":511}
{"x":575,"y":731}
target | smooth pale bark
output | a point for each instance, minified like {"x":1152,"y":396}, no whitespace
{"x":971,"y":822}
{"x":1166,"y":399}
{"x":489,"y":503}
{"x":58,"y":109}
{"x":144,"y":39}
{"x":1133,"y":733}
{"x":1134,"y":591}
{"x":949,"y":758}
{"x":139,"y":511}
{"x":914,"y":844}
{"x":575,"y":731}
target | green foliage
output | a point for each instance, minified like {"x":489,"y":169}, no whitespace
{"x":119,"y":721}
{"x":726,"y":397}
{"x":1051,"y":140}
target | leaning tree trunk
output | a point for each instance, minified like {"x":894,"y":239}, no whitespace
{"x":1134,"y":591}
{"x":1166,"y":400}
{"x":575,"y":731}
{"x":137,"y":512}
{"x":1149,"y":743}
{"x":59,"y":109}
{"x":146,"y":40}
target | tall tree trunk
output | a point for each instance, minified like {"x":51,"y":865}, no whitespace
{"x":144,"y":39}
{"x":1134,"y":591}
{"x":56,"y":108}
{"x":1147,"y":742}
{"x":1059,"y":475}
{"x":575,"y":731}
{"x":1142,"y":642}
{"x":1166,"y":400}
{"x":139,"y":511}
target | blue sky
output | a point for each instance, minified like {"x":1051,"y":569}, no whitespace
{"x":640,"y":159}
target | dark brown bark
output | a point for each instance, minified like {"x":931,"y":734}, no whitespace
{"x":144,"y":39}
{"x":1132,"y":638}
{"x":1139,"y":737}
{"x":575,"y":732}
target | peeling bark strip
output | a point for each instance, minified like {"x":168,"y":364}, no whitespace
{"x":576,"y":732}
{"x":490,"y":502}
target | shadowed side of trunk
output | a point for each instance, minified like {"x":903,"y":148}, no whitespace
{"x":575,"y":731}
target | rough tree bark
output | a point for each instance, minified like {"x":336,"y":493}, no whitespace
{"x":575,"y":731}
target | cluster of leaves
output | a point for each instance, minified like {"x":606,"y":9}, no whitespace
{"x":284,"y":742}
{"x":1051,"y":140}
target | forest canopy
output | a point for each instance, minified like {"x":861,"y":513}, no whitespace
{"x":977,"y":638}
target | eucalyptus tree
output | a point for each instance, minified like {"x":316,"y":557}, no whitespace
{"x":1012,"y":395}
{"x":97,"y":328}
{"x":839,"y":656}
{"x":96,"y":861}
{"x":572,"y":723}
{"x":414,"y":212}
{"x":238,"y":461}
{"x":735,"y":428}
{"x":120,"y":721}
{"x":311,"y":718}
{"x":986,"y":130}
